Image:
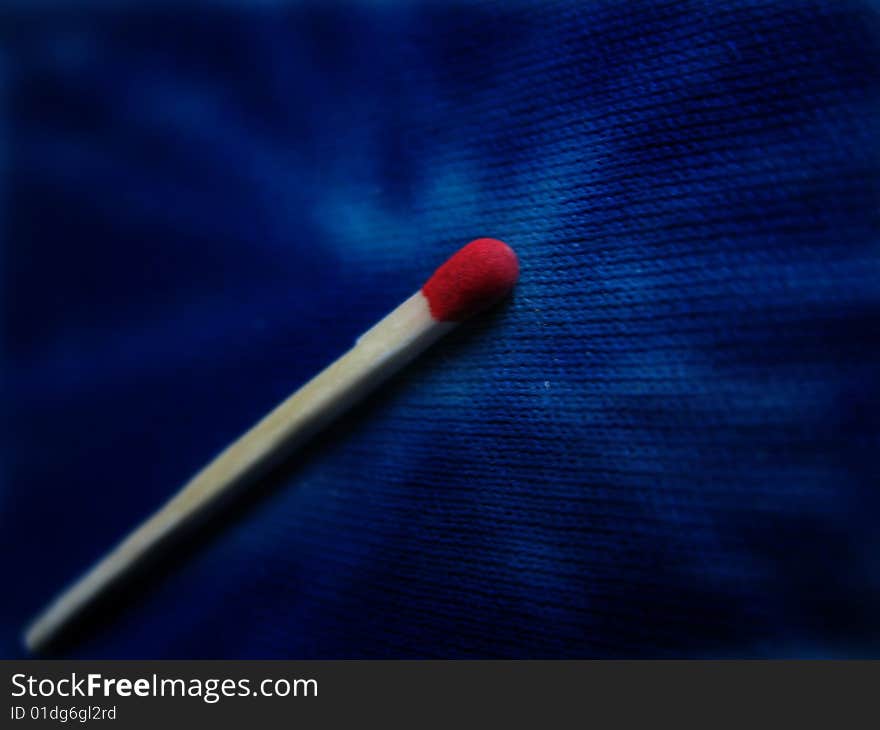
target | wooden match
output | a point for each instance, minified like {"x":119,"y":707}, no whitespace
{"x":476,"y":277}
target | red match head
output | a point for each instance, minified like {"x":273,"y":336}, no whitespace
{"x":476,"y":277}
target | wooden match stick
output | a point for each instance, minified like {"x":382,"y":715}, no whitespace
{"x":475,"y":277}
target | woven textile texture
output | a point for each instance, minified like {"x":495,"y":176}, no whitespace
{"x":666,"y":443}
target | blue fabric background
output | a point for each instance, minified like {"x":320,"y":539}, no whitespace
{"x":665,"y":444}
